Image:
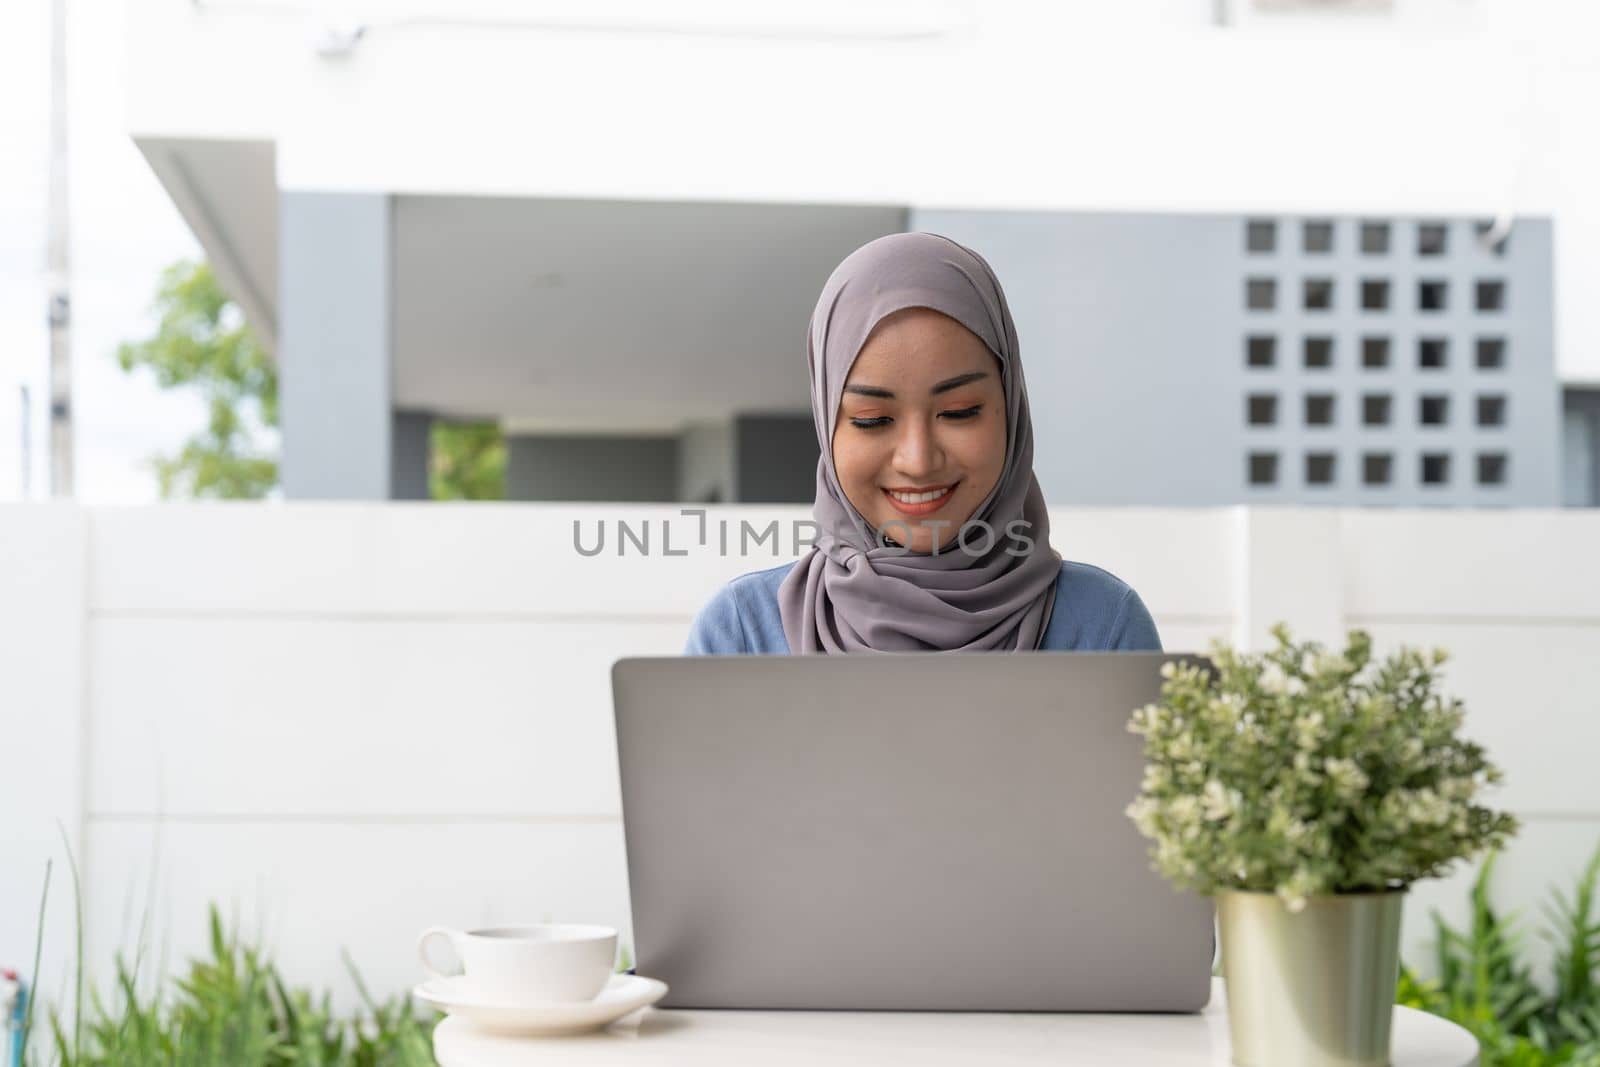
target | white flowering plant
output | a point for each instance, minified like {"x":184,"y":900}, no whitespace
{"x":1306,"y":772}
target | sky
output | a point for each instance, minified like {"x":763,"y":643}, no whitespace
{"x":124,"y":230}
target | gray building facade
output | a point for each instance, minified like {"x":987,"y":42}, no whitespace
{"x":1213,"y":360}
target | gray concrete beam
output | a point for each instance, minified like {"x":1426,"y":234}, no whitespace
{"x":334,"y":345}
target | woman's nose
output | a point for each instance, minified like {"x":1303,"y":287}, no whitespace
{"x":917,"y":454}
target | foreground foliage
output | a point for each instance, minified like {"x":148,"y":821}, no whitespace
{"x":1307,"y":772}
{"x":1487,"y":987}
{"x":234,"y":1009}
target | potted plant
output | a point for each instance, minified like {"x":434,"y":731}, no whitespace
{"x":1306,"y":790}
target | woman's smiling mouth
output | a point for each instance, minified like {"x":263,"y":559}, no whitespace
{"x":910,"y":501}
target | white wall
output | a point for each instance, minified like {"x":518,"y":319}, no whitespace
{"x":43,"y":657}
{"x":346,"y":722}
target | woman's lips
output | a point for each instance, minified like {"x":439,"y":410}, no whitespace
{"x":925,"y":508}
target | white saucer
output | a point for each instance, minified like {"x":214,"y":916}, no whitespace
{"x":623,"y":994}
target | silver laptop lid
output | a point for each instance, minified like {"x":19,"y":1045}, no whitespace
{"x":899,"y":832}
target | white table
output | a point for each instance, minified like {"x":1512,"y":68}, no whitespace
{"x":839,"y":1038}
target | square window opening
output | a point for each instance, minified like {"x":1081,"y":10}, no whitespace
{"x":1317,"y":294}
{"x":1433,"y":295}
{"x":1491,"y":353}
{"x":1375,"y":238}
{"x":1319,"y":468}
{"x":1432,"y":239}
{"x":1436,"y":468}
{"x":1261,"y":350}
{"x":1261,"y":294}
{"x":1319,"y":409}
{"x":1434,"y":410}
{"x":1263,"y":468}
{"x":1433,"y":353}
{"x":1374,"y":352}
{"x":1318,"y":352}
{"x":1484,"y":230}
{"x":1375,"y":409}
{"x":1262,"y":409}
{"x":1491,"y":410}
{"x":1260,"y":236}
{"x":1317,"y":237}
{"x":1377,"y":468}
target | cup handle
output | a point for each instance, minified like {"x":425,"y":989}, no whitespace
{"x":422,"y":948}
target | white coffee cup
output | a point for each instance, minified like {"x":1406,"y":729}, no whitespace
{"x":532,"y":962}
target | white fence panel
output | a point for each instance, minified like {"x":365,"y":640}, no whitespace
{"x":348,"y":721}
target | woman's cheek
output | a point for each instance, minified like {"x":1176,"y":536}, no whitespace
{"x":852,"y":478}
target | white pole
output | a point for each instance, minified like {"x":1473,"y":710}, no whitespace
{"x":58,"y":288}
{"x":27,"y":444}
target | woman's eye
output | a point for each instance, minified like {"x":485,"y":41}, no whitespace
{"x":884,"y":420}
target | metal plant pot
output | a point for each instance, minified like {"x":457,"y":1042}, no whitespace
{"x":1313,"y":988}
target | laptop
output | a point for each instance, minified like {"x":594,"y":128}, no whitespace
{"x":900,"y":832}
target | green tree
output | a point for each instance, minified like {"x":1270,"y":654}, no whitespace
{"x":202,"y":342}
{"x":467,"y":461}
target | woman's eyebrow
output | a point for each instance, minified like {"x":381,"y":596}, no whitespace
{"x":943,"y":387}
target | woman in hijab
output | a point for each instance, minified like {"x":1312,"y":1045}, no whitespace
{"x":931,"y":531}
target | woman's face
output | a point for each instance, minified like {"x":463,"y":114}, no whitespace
{"x":923,"y":412}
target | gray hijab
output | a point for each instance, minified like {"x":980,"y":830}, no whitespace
{"x":852,"y":593}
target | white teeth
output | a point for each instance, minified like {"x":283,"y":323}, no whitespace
{"x":919,"y":498}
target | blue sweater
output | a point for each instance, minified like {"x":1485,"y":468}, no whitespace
{"x":1094,"y":611}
